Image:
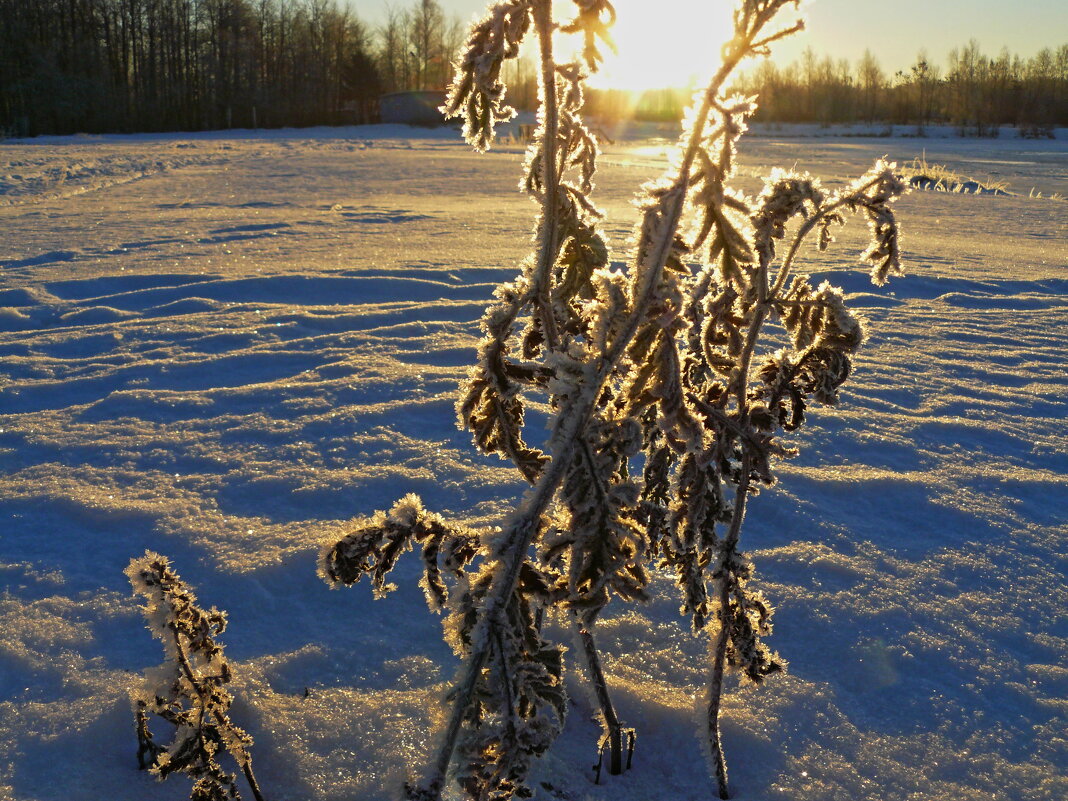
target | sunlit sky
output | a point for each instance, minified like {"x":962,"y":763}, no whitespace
{"x":894,"y":30}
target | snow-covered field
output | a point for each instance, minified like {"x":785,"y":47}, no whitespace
{"x":223,"y":346}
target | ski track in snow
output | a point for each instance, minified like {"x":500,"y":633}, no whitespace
{"x":222,"y":347}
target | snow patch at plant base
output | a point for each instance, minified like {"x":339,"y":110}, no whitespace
{"x":915,"y":548}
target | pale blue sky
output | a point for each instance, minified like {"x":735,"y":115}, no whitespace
{"x":894,"y":30}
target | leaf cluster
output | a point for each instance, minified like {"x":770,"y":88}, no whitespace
{"x":477,"y":93}
{"x":373,"y":547}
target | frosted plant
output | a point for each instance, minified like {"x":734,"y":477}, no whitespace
{"x":668,"y":405}
{"x":188,"y":691}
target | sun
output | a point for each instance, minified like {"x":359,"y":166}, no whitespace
{"x":664,"y":43}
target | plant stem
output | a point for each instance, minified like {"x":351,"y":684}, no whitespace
{"x":604,"y":700}
{"x":766,"y":296}
{"x":548,"y":235}
{"x":187,"y":669}
{"x":715,"y":690}
{"x":589,"y":647}
{"x":250,"y":777}
{"x":722,"y":638}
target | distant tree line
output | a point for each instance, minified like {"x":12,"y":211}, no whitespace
{"x":147,"y":65}
{"x":976,"y":93}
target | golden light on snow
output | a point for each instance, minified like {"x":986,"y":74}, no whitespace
{"x":664,"y":43}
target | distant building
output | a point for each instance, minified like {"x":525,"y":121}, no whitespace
{"x":412,"y":108}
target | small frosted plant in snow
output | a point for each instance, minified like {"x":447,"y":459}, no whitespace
{"x":188,"y":691}
{"x":668,"y":403}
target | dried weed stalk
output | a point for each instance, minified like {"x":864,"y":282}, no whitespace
{"x":188,"y":690}
{"x":667,"y":415}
